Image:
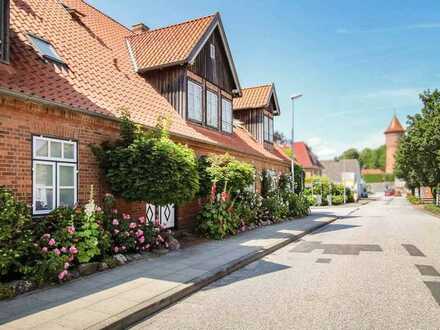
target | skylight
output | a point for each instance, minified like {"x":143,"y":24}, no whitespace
{"x":46,"y":49}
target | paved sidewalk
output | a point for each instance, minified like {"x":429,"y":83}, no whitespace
{"x":123,"y":295}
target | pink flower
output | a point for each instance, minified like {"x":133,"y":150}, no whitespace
{"x":52,"y":242}
{"x":64,"y":249}
{"x":126,"y":216}
{"x":213,"y":192}
{"x":98,"y":209}
{"x":115,"y":222}
{"x":224,"y":196}
{"x":71,"y":258}
{"x":141,"y":219}
{"x":123,"y":248}
{"x":139,"y":233}
{"x":108,"y":195}
{"x":115,"y":211}
{"x":73,"y":250}
{"x":66,"y":266}
{"x":62,"y":275}
{"x":141,"y":239}
{"x":44,"y":250}
{"x":116,"y":249}
{"x":71,"y":230}
{"x":116,"y":231}
{"x":132,"y":225}
{"x":160,"y":238}
{"x":46,"y":236}
{"x":57,"y":252}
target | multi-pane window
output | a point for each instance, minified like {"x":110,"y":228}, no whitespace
{"x":4,"y":27}
{"x":268,"y":129}
{"x":211,"y":109}
{"x":226,"y":115}
{"x":194,"y":101}
{"x":54,"y":182}
{"x":45,"y":49}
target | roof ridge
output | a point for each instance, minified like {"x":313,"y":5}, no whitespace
{"x":106,"y":15}
{"x":258,"y":86}
{"x":176,"y":24}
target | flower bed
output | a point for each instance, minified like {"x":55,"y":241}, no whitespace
{"x":68,"y":242}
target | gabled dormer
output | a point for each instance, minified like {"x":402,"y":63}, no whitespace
{"x":191,"y":65}
{"x":4,"y":31}
{"x":256,"y":109}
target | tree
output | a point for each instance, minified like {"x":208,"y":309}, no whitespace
{"x":146,"y":165}
{"x":279,"y":137}
{"x":418,"y":154}
{"x":351,"y":153}
{"x":373,"y":158}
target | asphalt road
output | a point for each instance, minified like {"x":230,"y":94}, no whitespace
{"x":375,"y":269}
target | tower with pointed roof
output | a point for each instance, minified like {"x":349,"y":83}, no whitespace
{"x":392,"y":136}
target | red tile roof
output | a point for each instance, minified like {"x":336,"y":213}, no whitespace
{"x":169,"y":45}
{"x":99,"y":77}
{"x":253,"y":97}
{"x":395,"y":126}
{"x":305,"y":157}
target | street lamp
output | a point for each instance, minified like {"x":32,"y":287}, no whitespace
{"x":292,"y":163}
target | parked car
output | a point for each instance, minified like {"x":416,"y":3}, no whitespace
{"x":389,"y":192}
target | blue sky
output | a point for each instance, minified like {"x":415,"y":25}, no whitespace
{"x":356,"y":62}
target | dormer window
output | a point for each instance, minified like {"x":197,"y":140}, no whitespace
{"x":4,"y":30}
{"x":45,"y":49}
{"x":226,"y":115}
{"x":268,"y":129}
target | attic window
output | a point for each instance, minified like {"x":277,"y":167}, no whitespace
{"x":212,"y":51}
{"x":46,"y":49}
{"x":4,"y":28}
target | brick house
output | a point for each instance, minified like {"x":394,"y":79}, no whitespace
{"x":67,"y":71}
{"x":307,"y":159}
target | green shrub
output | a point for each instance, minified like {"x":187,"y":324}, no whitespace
{"x":337,"y":200}
{"x":432,"y":208}
{"x":298,"y":204}
{"x":311,"y":199}
{"x":217,"y":220}
{"x":247,"y":207}
{"x":149,"y":166}
{"x":375,"y":178}
{"x":273,"y":208}
{"x":226,"y":172}
{"x":414,"y":200}
{"x":16,"y":246}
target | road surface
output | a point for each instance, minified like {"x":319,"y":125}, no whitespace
{"x":375,"y":269}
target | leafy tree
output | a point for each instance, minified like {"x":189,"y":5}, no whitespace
{"x":418,"y":154}
{"x":279,"y":137}
{"x":146,"y":165}
{"x":351,"y":153}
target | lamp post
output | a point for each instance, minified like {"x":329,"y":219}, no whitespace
{"x":292,"y":163}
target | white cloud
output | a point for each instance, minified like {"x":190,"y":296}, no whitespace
{"x":320,"y":148}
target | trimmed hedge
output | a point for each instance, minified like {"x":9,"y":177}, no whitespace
{"x":376,"y":178}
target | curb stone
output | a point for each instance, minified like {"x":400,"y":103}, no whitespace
{"x":151,"y":306}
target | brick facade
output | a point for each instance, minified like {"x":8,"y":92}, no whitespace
{"x":20,"y":120}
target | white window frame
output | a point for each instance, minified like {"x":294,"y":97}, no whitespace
{"x":210,"y":97}
{"x":227,"y":126}
{"x":192,"y":86}
{"x":75,"y":183}
{"x":34,"y":186}
{"x":55,"y":162}
{"x":266,"y":128}
{"x":54,"y":56}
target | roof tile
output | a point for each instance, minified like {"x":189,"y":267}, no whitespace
{"x":253,"y":97}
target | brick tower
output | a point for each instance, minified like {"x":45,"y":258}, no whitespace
{"x":392,"y":137}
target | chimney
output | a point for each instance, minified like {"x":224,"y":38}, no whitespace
{"x":140,"y":28}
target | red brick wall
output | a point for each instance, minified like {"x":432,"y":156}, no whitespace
{"x":20,"y":120}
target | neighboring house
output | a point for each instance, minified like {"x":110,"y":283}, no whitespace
{"x":346,"y":171}
{"x":256,"y":109}
{"x":307,"y":159}
{"x":67,"y":72}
